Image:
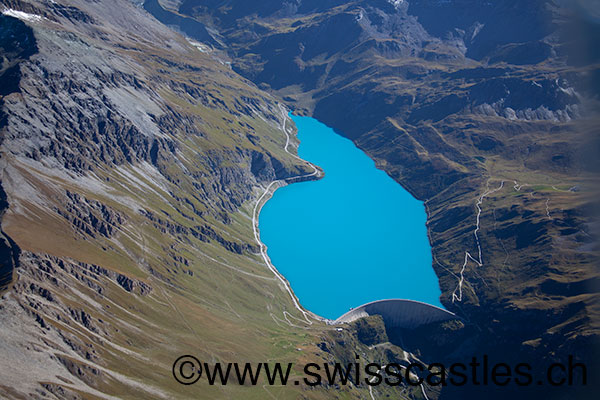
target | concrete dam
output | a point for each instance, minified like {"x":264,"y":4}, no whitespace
{"x":398,"y":313}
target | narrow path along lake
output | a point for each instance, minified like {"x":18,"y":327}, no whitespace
{"x":353,"y":237}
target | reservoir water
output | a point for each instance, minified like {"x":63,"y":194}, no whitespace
{"x":353,"y":237}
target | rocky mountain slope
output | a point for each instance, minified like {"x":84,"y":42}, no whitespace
{"x":487,"y":111}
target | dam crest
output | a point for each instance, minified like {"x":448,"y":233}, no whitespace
{"x":399,"y":313}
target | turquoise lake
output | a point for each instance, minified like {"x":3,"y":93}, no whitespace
{"x":353,"y":237}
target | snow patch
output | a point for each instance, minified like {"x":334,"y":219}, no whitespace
{"x":23,"y":16}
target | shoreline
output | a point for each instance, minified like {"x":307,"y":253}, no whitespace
{"x":266,"y":195}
